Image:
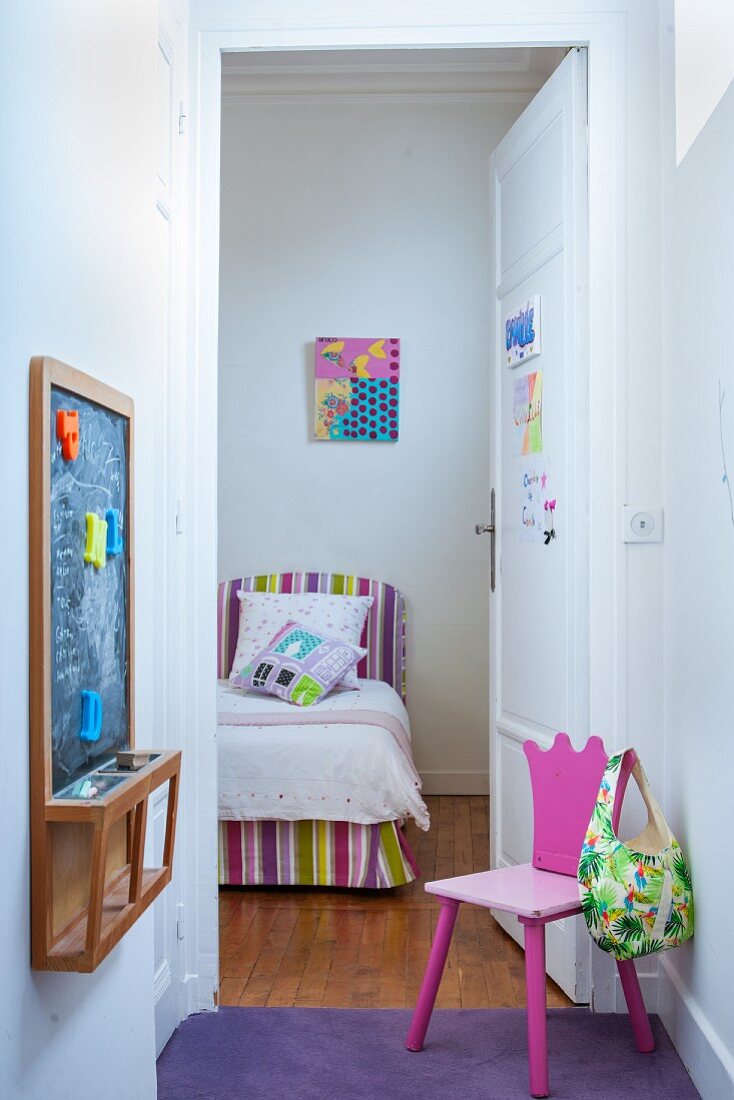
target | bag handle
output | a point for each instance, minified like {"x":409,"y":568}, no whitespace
{"x":656,"y":822}
{"x":656,"y":835}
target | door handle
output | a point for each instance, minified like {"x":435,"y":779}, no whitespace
{"x":489,"y":529}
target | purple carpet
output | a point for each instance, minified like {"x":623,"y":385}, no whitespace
{"x":336,"y":1053}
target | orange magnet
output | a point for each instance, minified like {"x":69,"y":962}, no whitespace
{"x":67,"y":430}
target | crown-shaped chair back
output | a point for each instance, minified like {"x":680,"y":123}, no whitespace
{"x":565,"y":785}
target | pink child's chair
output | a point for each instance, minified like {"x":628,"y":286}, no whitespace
{"x":565,"y":785}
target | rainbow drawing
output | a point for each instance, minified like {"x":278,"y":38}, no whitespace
{"x":527,"y":411}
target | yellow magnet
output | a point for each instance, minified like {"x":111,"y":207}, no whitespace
{"x":96,"y":550}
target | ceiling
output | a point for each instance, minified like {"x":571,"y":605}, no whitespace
{"x":319,"y":73}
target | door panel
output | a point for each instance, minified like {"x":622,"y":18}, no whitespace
{"x":539,"y":610}
{"x":514,"y":840}
{"x":534,"y":620}
{"x":524,"y":220}
{"x":165,"y":970}
{"x":166,"y":717}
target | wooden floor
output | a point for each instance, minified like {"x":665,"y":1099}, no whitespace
{"x":368,"y":948}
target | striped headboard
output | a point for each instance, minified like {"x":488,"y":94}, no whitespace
{"x":384,"y":631}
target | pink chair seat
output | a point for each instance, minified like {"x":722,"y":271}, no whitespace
{"x":523,"y":890}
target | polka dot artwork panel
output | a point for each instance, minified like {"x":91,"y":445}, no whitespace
{"x":357,"y":396}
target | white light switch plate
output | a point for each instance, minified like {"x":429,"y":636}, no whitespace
{"x":642,"y":523}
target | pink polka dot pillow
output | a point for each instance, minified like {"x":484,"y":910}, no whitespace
{"x":263,"y":614}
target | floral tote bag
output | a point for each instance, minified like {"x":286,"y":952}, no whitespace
{"x":636,"y":896}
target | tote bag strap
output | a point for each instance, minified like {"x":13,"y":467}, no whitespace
{"x":655,"y":818}
{"x":617,"y":765}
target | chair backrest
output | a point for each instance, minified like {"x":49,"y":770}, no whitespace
{"x":565,"y":785}
{"x":384,"y":631}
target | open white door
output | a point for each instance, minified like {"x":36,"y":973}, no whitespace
{"x":539,"y":606}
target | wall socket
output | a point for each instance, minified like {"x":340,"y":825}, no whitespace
{"x":642,"y":523}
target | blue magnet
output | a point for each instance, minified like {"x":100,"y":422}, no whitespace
{"x":91,"y":716}
{"x":114,"y":536}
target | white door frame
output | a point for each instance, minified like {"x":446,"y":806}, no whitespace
{"x":224,"y":26}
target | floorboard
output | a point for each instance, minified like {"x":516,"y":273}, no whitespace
{"x":368,"y":948}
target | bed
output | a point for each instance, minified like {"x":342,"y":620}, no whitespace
{"x":317,"y":796}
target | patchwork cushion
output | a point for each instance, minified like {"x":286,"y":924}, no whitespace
{"x":263,"y":614}
{"x":299,"y":665}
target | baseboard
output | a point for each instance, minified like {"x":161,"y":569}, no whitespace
{"x":189,"y":996}
{"x":701,"y":1048}
{"x":208,"y":991}
{"x":455,"y":782}
{"x":649,"y":987}
{"x":197,"y":994}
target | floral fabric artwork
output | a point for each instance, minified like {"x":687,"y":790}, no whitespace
{"x":357,"y":389}
{"x":634,"y":902}
{"x":300,"y":665}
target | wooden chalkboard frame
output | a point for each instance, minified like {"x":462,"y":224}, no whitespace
{"x":45,"y":373}
{"x":88,"y":882}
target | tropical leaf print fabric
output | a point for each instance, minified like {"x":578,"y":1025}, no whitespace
{"x":634,"y":903}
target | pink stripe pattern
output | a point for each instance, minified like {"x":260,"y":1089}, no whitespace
{"x":288,"y":853}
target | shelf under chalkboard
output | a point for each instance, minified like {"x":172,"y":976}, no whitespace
{"x":112,"y":900}
{"x":118,"y":913}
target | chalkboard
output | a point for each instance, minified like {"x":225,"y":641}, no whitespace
{"x":89,"y":604}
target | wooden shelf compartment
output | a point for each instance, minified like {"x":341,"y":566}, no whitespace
{"x":102,"y":840}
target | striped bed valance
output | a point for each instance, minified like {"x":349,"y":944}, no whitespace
{"x":314,"y":853}
{"x":384,"y":632}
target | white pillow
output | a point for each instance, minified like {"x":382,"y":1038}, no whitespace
{"x":263,"y":614}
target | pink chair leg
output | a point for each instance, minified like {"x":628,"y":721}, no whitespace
{"x":636,"y":1006}
{"x":537,"y":1026}
{"x":432,"y":976}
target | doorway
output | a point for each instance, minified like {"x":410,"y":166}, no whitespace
{"x":212,"y":42}
{"x":355,"y":198}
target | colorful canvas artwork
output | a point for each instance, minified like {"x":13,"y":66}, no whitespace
{"x":357,"y":389}
{"x":527,"y":412}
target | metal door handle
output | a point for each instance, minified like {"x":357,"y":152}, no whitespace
{"x":489,"y":529}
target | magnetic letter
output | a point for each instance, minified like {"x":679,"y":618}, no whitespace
{"x":67,"y":430}
{"x":96,"y":550}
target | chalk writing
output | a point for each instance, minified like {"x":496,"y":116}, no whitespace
{"x":88,"y":605}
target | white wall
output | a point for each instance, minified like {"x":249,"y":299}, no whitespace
{"x":704,"y":64}
{"x":78,"y":280}
{"x":696,"y":1001}
{"x":367,"y":219}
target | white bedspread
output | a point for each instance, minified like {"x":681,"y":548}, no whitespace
{"x":335,"y":770}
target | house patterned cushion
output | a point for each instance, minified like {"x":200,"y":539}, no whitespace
{"x":263,"y":614}
{"x":300,"y":665}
